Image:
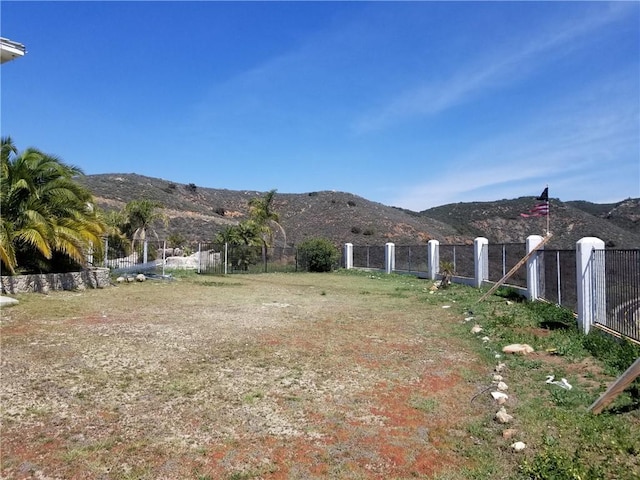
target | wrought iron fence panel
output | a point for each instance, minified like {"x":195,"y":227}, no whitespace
{"x":411,"y":258}
{"x":209,"y":258}
{"x":368,"y":256}
{"x":558,"y":281}
{"x":502,"y":258}
{"x":122,"y":256}
{"x":619,"y":289}
{"x":461,"y":257}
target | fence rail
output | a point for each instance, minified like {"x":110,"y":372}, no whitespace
{"x":618,"y":286}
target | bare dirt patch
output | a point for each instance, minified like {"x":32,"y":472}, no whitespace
{"x":269,"y":376}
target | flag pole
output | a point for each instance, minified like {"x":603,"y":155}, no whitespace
{"x":548,"y":211}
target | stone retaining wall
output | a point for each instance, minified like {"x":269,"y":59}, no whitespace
{"x":43,"y":283}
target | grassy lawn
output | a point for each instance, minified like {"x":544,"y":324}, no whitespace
{"x":347,"y":375}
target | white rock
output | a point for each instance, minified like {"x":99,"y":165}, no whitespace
{"x":503,"y":387}
{"x":502,"y":416}
{"x":521,"y":348}
{"x":518,"y":446}
{"x":498,"y":378}
{"x":140,"y":277}
{"x":500,"y":367}
{"x":476,"y":329}
{"x":468,"y":319}
{"x":120,"y":279}
{"x":500,"y":397}
{"x":486,"y":339}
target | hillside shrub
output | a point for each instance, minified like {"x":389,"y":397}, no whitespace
{"x":318,"y":255}
{"x":355,"y":230}
{"x":351,"y":203}
{"x":368,"y":231}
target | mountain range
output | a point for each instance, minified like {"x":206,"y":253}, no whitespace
{"x":198,"y":213}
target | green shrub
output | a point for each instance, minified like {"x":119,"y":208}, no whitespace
{"x":510,"y":293}
{"x":617,"y":355}
{"x":552,"y":316}
{"x":318,"y":255}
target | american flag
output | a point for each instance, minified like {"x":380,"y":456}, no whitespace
{"x":540,"y":209}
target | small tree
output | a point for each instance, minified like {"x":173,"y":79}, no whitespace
{"x":447,"y":271}
{"x":318,"y":255}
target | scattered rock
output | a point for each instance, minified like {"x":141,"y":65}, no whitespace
{"x":503,"y":387}
{"x":486,"y":339}
{"x":500,"y":397}
{"x":497,"y":378}
{"x":520,"y":348}
{"x":7,"y":301}
{"x":518,"y":446}
{"x":500,"y":367}
{"x":476,"y":329}
{"x":468,"y":319}
{"x":140,"y":277}
{"x":120,"y":279}
{"x":508,"y":433}
{"x":502,"y":416}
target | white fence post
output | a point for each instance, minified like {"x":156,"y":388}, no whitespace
{"x":586,"y":268}
{"x":481,"y":256}
{"x":533,"y":268}
{"x":106,"y":252}
{"x":433,"y":258}
{"x":164,"y":255}
{"x":145,"y":252}
{"x":226,"y":257}
{"x":389,"y":257}
{"x":348,"y":255}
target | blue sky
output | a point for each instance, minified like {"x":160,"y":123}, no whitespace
{"x":410,"y":104}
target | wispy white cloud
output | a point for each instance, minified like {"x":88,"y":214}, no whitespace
{"x":584,"y":152}
{"x":490,"y":70}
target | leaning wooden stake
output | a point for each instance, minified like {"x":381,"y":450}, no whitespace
{"x":516,"y":267}
{"x":617,"y":388}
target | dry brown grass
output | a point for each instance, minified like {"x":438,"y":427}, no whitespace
{"x":260,"y":376}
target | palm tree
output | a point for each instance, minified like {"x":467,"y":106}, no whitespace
{"x":140,"y":217}
{"x":265,"y":218}
{"x":7,"y":252}
{"x":46,"y":215}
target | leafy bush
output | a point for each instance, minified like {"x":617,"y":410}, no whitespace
{"x":318,"y":255}
{"x":368,"y":231}
{"x":351,"y":203}
{"x":617,"y":355}
{"x":510,"y":293}
{"x":355,"y":230}
{"x":552,"y":316}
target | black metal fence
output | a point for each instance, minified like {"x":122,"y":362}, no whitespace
{"x":411,"y":258}
{"x":368,"y":257}
{"x":212,"y":258}
{"x":461,"y":257}
{"x":619,"y":288}
{"x":558,"y":279}
{"x":502,"y":258}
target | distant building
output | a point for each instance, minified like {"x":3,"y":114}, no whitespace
{"x":10,"y":50}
